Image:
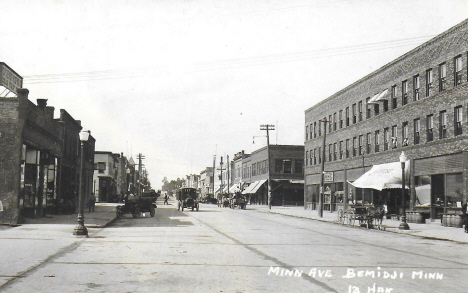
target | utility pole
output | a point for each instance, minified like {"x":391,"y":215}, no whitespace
{"x":228,"y":174}
{"x":140,"y":166}
{"x":268,"y":127}
{"x":322,"y":169}
{"x":214,"y":168}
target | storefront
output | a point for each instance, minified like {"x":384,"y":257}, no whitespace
{"x":38,"y":181}
{"x":439,"y":185}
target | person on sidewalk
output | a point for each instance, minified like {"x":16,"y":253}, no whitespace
{"x":91,"y":203}
{"x":165,"y":199}
{"x":465,"y":217}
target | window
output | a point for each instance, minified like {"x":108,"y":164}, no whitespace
{"x":385,"y":105}
{"x":428,"y":82}
{"x":442,"y":124}
{"x":404,"y":92}
{"x":394,"y":97}
{"x":341,"y":150}
{"x":347,"y":116}
{"x":430,"y":127}
{"x":311,"y":132}
{"x":298,"y":167}
{"x":287,"y":166}
{"x":334,"y":121}
{"x":368,"y":148}
{"x":320,"y":155}
{"x":458,"y":70}
{"x":307,"y":158}
{"x":394,"y":136}
{"x":458,"y":113}
{"x":386,"y":139}
{"x":377,"y":141}
{"x":335,"y":152}
{"x":329,"y":123}
{"x":361,"y":145}
{"x":442,"y":77}
{"x":360,"y":110}
{"x":376,"y":109}
{"x":355,"y":146}
{"x":417,"y":130}
{"x":319,"y":128}
{"x":100,"y":166}
{"x":368,"y":111}
{"x":416,"y":87}
{"x":315,"y":129}
{"x":405,"y":134}
{"x":307,"y":133}
{"x":330,"y":152}
{"x":315,"y":156}
{"x":354,"y":114}
{"x":340,"y":116}
{"x":347,"y":148}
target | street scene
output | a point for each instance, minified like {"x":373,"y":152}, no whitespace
{"x":234,"y":146}
{"x":228,"y":250}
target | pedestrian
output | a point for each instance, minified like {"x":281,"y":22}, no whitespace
{"x":91,"y":203}
{"x":165,"y":199}
{"x":465,"y":217}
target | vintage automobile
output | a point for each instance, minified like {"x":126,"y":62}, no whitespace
{"x":187,"y":198}
{"x":136,"y":205}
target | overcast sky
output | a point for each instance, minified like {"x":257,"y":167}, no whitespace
{"x":181,"y":81}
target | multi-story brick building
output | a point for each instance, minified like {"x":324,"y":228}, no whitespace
{"x":416,"y":104}
{"x":283,"y":165}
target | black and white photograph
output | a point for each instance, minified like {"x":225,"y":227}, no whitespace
{"x":234,"y":146}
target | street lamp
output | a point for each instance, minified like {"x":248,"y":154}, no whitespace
{"x":403,"y":224}
{"x":81,"y":230}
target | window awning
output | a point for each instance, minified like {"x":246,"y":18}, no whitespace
{"x":379,"y":97}
{"x":384,"y":176}
{"x":260,"y":183}
{"x":250,"y":187}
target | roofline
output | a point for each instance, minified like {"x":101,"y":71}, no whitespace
{"x":391,"y":63}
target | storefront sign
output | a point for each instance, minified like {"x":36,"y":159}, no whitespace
{"x":10,"y":79}
{"x":327,"y":176}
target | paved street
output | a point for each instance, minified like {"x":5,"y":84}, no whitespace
{"x":223,"y":250}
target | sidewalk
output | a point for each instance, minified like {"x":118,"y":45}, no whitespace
{"x":433,"y":230}
{"x":103,"y":215}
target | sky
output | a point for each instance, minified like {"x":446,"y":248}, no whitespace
{"x":180,"y":81}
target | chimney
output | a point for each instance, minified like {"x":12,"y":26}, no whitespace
{"x":42,"y":103}
{"x":23,"y":93}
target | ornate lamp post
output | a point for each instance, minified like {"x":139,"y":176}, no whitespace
{"x":81,"y":230}
{"x":403,"y":224}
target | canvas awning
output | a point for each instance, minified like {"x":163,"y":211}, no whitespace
{"x":384,"y":176}
{"x":372,"y":100}
{"x":250,"y":187}
{"x":379,"y":97}
{"x":260,"y":183}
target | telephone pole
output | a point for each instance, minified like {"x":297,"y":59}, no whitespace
{"x":322,"y":169}
{"x":268,"y":127}
{"x":140,"y":167}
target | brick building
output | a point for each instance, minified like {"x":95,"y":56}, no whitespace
{"x":285,"y":167}
{"x":416,"y":104}
{"x":35,"y":151}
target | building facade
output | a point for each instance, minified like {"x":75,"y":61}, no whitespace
{"x":416,"y":104}
{"x":283,"y":165}
{"x":105,"y":176}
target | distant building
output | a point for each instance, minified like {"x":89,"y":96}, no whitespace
{"x":105,"y":176}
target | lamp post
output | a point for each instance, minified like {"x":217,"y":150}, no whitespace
{"x":81,"y":230}
{"x":403,"y":224}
